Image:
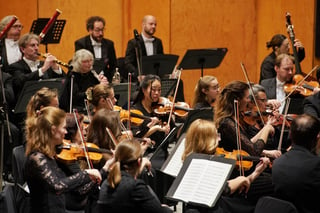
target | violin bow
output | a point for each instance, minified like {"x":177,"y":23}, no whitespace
{"x":123,"y":128}
{"x":86,"y":105}
{"x":175,"y":95}
{"x":283,"y":123}
{"x":251,"y":90}
{"x":129,"y":98}
{"x":236,"y":118}
{"x":76,"y":117}
{"x":71,"y":92}
{"x":300,"y":83}
{"x":112,"y":137}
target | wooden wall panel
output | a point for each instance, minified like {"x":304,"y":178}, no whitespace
{"x":210,"y":24}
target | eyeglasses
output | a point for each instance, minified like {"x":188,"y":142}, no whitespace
{"x":17,"y":26}
{"x":97,"y":30}
{"x":215,"y":87}
{"x":262,"y":99}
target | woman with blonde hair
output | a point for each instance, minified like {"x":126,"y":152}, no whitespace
{"x":203,"y":137}
{"x":101,"y":96}
{"x":122,"y":191}
{"x":205,"y":92}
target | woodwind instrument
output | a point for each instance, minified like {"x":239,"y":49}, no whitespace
{"x":9,"y":25}
{"x":49,"y":24}
{"x":57,"y":61}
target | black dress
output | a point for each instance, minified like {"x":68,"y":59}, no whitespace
{"x":47,"y":183}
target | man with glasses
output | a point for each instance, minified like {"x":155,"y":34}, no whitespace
{"x":103,"y":49}
{"x":279,"y":44}
{"x":9,"y":47}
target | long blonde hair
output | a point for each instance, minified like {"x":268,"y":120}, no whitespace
{"x":126,"y":158}
{"x":38,"y":131}
{"x":203,"y":83}
{"x":201,"y":137}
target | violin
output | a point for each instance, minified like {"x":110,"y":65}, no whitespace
{"x":136,"y":116}
{"x":164,"y":105}
{"x":298,"y":80}
{"x":243,"y":159}
{"x":252,"y":117}
{"x":71,"y":152}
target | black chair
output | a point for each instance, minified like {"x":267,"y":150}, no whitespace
{"x":22,"y":197}
{"x":269,"y":204}
{"x":7,"y":200}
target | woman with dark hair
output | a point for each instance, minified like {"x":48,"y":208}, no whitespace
{"x":122,"y":191}
{"x":279,"y":44}
{"x":225,"y":121}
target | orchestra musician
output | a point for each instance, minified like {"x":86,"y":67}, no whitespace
{"x":267,"y":109}
{"x":29,"y":68}
{"x":279,"y":44}
{"x":101,"y":96}
{"x":274,"y":87}
{"x":9,"y":47}
{"x":295,"y":174}
{"x":46,"y":181}
{"x":225,"y":121}
{"x":205,"y":92}
{"x":122,"y":191}
{"x":80,"y":79}
{"x":202,"y":137}
{"x":102,"y":49}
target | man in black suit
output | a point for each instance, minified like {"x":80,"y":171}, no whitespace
{"x":29,"y":68}
{"x":274,"y":87}
{"x":296,"y":173}
{"x":9,"y":47}
{"x":145,"y":42}
{"x":102,"y":49}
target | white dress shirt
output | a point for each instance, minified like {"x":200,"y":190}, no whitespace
{"x":13,"y":51}
{"x":148,"y":42}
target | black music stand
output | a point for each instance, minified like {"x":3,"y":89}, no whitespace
{"x":203,"y":58}
{"x":53,"y":35}
{"x":31,"y":87}
{"x":160,"y":65}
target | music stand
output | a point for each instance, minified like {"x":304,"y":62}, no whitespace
{"x":203,"y":58}
{"x":31,"y":87}
{"x":53,"y":36}
{"x":160,"y":65}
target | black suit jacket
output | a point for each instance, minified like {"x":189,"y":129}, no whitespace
{"x":130,"y":58}
{"x":270,"y":85}
{"x":311,"y":105}
{"x":21,"y":73}
{"x":296,"y":177}
{"x":108,"y":61}
{"x":4,"y":60}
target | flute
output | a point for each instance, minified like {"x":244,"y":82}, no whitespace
{"x":57,"y":61}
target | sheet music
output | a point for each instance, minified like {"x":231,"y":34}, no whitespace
{"x":175,"y":162}
{"x":202,"y":181}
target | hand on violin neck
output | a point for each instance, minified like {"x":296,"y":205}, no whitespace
{"x":272,"y":153}
{"x":146,"y":143}
{"x":108,"y":164}
{"x":153,"y":122}
{"x":274,"y":104}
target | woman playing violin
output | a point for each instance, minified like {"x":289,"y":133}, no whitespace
{"x":46,"y":181}
{"x":202,"y":137}
{"x":148,"y":95}
{"x":225,"y":121}
{"x":101,"y":96}
{"x":253,"y":123}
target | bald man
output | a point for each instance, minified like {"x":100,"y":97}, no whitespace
{"x":149,"y":45}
